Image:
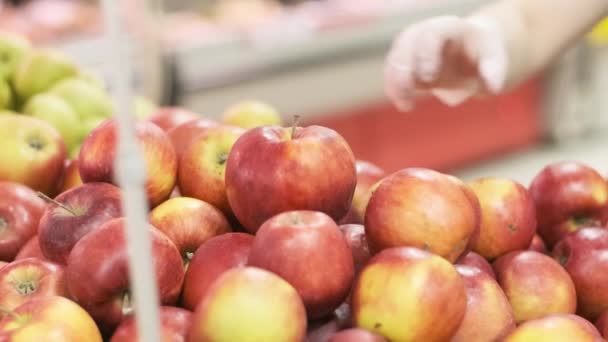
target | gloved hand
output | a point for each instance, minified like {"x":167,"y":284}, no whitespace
{"x":449,"y":57}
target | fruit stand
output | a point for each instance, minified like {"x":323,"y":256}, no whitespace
{"x":267,"y":191}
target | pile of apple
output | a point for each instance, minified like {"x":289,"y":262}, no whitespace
{"x":263,"y":232}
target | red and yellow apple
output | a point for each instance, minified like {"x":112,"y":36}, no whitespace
{"x":368,"y":175}
{"x":174,"y":325}
{"x":170,"y":117}
{"x":475,"y":260}
{"x":250,"y":114}
{"x":555,"y":328}
{"x":355,"y":236}
{"x":71,"y":176}
{"x":182,"y":135}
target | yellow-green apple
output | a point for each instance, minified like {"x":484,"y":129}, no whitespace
{"x":420,"y":208}
{"x":488,"y":316}
{"x":250,"y":114}
{"x":583,"y":255}
{"x":508,"y":220}
{"x":274,"y":169}
{"x":97,"y":272}
{"x":402,"y":291}
{"x":602,"y":324}
{"x":71,"y":176}
{"x":29,"y":278}
{"x":368,"y":175}
{"x":12,"y":50}
{"x":210,"y":260}
{"x":248,"y":304}
{"x":86,"y":99}
{"x":49,"y":319}
{"x":355,"y":236}
{"x":473,"y":259}
{"x":58,"y":113}
{"x":307,"y":249}
{"x":182,"y":135}
{"x":32,"y":153}
{"x":203,"y":165}
{"x":563,"y":191}
{"x":356,"y":334}
{"x":39,"y":70}
{"x":535,"y":284}
{"x":538,"y":245}
{"x":555,"y":328}
{"x":6,"y":95}
{"x":20,"y":211}
{"x":31,"y":249}
{"x":174,"y":325}
{"x":144,"y":107}
{"x":74,"y":214}
{"x":169,"y":117}
{"x":98,"y":151}
{"x":188,"y":222}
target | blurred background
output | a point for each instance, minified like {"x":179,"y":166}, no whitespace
{"x":323,"y":60}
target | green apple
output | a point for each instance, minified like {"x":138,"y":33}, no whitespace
{"x":6,"y":95}
{"x":87,"y":99}
{"x":12,"y":50}
{"x":92,"y":79}
{"x":40,"y":70}
{"x":144,"y":107}
{"x":57,"y":112}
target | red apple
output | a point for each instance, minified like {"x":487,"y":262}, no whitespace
{"x":98,"y":278}
{"x":249,"y":303}
{"x":535,"y":284}
{"x":368,"y":175}
{"x":174,"y":325}
{"x":182,"y":135}
{"x":602,"y":324}
{"x":2,"y":264}
{"x":538,"y":245}
{"x":32,"y":152}
{"x":170,"y":117}
{"x":49,"y":319}
{"x":566,"y":190}
{"x":583,"y":255}
{"x":98,"y":151}
{"x":82,"y":210}
{"x":210,"y":260}
{"x":355,"y":236}
{"x":489,"y":316}
{"x":203,"y":165}
{"x":356,"y":334}
{"x":557,"y":232}
{"x":475,"y":260}
{"x":274,"y":169}
{"x":188,"y":222}
{"x":508,"y":220}
{"x":401,"y":293}
{"x":71,"y":176}
{"x":20,"y":211}
{"x":307,"y":249}
{"x":31,"y":249}
{"x":27,"y":279}
{"x":420,"y":208}
{"x":555,"y":328}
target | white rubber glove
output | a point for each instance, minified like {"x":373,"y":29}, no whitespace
{"x":449,"y":57}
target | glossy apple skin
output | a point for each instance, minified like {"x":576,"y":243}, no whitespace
{"x":555,"y":328}
{"x":26,"y":279}
{"x":488,"y":316}
{"x":355,"y":236}
{"x":203,"y":165}
{"x":535,"y":284}
{"x":565,"y":190}
{"x":307,"y":249}
{"x":98,"y":151}
{"x":97,"y":271}
{"x":538,"y":245}
{"x":59,"y":230}
{"x":20,"y":211}
{"x":269,"y":172}
{"x":49,"y":319}
{"x":472,"y":197}
{"x":386,"y":296}
{"x":475,"y":260}
{"x":71,"y":176}
{"x":170,"y":117}
{"x":188,"y":222}
{"x":368,"y":175}
{"x":508,"y":219}
{"x":249,"y":304}
{"x":602,"y":324}
{"x":356,"y":334}
{"x":399,"y":214}
{"x":210,"y":260}
{"x":175,"y":323}
{"x":182,"y":135}
{"x":582,"y":254}
{"x":32,"y":154}
{"x":31,"y":249}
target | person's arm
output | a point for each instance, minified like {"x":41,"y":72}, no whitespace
{"x":492,"y":49}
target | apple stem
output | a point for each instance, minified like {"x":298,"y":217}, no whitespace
{"x":296,"y":120}
{"x":59,"y":204}
{"x":8,"y":312}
